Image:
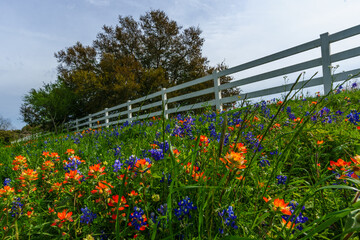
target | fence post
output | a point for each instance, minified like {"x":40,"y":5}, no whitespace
{"x":77,"y":125}
{"x":164,"y":100}
{"x":217,"y":91}
{"x":129,"y":110}
{"x":106,"y":118}
{"x":326,"y":63}
{"x":90,"y":119}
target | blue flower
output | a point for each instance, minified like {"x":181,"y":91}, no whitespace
{"x":7,"y":182}
{"x":117,"y":165}
{"x":281,"y":179}
{"x":138,"y":219}
{"x":88,"y":216}
{"x":228,"y":220}
{"x":185,"y":206}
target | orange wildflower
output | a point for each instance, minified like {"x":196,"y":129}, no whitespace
{"x":48,"y":165}
{"x":279,"y":204}
{"x":319,"y":142}
{"x":234,"y":160}
{"x":28,"y":175}
{"x":6,"y":191}
{"x":103,"y":188}
{"x":339,"y":164}
{"x":72,"y":175}
{"x":19,"y":162}
{"x":96,"y":170}
{"x":63,"y":217}
{"x":70,"y":152}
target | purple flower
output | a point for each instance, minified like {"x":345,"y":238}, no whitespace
{"x":87,"y":216}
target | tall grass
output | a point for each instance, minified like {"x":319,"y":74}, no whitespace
{"x":264,"y":171}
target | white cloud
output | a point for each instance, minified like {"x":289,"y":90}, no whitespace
{"x":99,"y":2}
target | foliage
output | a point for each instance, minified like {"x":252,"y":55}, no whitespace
{"x":282,"y":169}
{"x":134,"y":59}
{"x":5,"y":123}
{"x":50,"y":106}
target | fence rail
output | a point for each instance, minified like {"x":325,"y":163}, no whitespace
{"x":113,"y":115}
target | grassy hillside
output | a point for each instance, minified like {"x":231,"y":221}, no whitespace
{"x":275,"y":170}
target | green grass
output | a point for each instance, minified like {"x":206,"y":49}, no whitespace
{"x":287,"y":160}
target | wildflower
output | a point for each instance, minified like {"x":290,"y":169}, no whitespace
{"x":138,"y":219}
{"x":63,"y":217}
{"x":48,"y":165}
{"x":117,"y":165}
{"x":16,"y":208}
{"x":142,"y":165}
{"x":279,"y":204}
{"x":88,"y":216}
{"x":281,"y":179}
{"x":73,"y":175}
{"x":19,"y":163}
{"x":28,"y":175}
{"x":294,"y":220}
{"x":319,"y":142}
{"x":228,"y":220}
{"x":185,"y":206}
{"x":103,"y":188}
{"x":339,"y":164}
{"x":234,"y":160}
{"x":7,"y":182}
{"x":114,"y":202}
{"x":6,"y":192}
{"x":55,"y":187}
{"x":70,"y":152}
{"x":96,"y":170}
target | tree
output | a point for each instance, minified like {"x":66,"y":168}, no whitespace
{"x":50,"y":106}
{"x":134,"y":59}
{"x":5,"y":123}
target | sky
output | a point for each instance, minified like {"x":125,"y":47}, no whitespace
{"x":235,"y":31}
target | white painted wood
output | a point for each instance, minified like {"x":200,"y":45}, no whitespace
{"x":129,"y":110}
{"x":106,"y":118}
{"x":326,"y":63}
{"x":324,"y":60}
{"x":164,"y":103}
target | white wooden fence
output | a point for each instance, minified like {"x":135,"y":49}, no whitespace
{"x":115,"y":115}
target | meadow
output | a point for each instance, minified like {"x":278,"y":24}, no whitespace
{"x":279,"y":169}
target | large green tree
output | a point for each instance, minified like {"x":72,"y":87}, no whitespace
{"x":49,"y":107}
{"x":133,"y":59}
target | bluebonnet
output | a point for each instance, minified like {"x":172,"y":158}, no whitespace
{"x":157,"y":154}
{"x":87,"y":216}
{"x":168,"y":177}
{"x":132,"y":160}
{"x":137,"y":219}
{"x":297,"y":220}
{"x":162,"y":210}
{"x":281,"y":179}
{"x":117,"y":151}
{"x":252,"y":142}
{"x":184,"y":208}
{"x":7,"y":182}
{"x":73,"y":165}
{"x":339,"y":89}
{"x":354,"y":85}
{"x":228,"y":220}
{"x":16,"y":207}
{"x":353,"y":117}
{"x":117,"y":165}
{"x":264,"y":162}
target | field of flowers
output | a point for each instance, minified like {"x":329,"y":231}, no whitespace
{"x":274,"y":170}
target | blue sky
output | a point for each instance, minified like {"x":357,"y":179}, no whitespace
{"x":235,"y":31}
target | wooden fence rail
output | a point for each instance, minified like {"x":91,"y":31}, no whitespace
{"x":115,"y":115}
